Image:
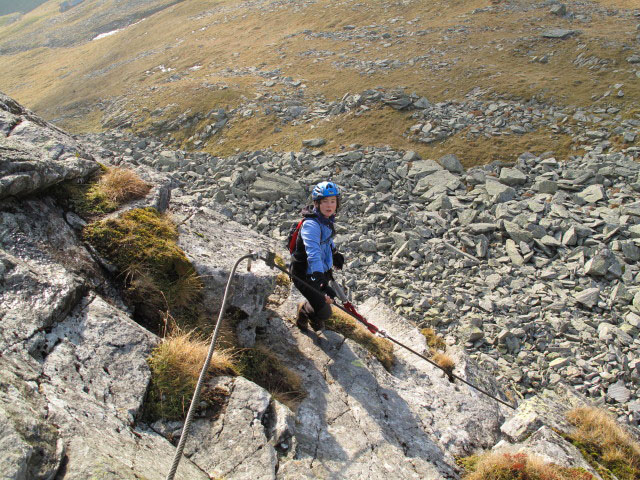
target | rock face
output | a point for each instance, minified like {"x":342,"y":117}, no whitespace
{"x":36,"y":155}
{"x":73,"y":368}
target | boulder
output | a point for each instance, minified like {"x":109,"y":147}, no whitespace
{"x":512,"y":176}
{"x":271,"y":187}
{"x":422,"y":168}
{"x":441,"y":178}
{"x":452,"y":163}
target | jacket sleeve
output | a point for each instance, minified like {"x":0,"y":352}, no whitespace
{"x":311,"y":236}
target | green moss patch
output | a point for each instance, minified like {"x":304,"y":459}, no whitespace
{"x":84,"y":198}
{"x":158,"y":278}
{"x":347,"y":326}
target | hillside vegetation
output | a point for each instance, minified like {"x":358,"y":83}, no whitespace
{"x":242,"y":63}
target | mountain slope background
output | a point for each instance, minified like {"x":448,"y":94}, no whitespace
{"x":188,"y":59}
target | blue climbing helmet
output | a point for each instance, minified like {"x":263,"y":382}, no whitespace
{"x":325,"y":189}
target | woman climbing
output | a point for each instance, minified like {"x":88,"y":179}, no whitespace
{"x":314,"y":256}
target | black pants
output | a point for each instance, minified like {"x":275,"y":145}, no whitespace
{"x":316,"y":307}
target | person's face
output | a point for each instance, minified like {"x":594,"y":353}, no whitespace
{"x":328,"y":206}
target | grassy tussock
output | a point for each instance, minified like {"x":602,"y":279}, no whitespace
{"x":105,"y":192}
{"x":282,"y":279}
{"x":604,"y":443}
{"x":444,"y":361}
{"x":348,"y":327}
{"x":263,"y":367}
{"x":157,"y":276}
{"x":434,"y":340}
{"x":437,"y":345}
{"x":175,"y":365}
{"x":120,"y":185}
{"x":505,"y":466}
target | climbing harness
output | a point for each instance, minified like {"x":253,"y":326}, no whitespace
{"x":347,"y":307}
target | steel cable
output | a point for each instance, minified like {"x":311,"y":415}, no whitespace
{"x":203,"y":372}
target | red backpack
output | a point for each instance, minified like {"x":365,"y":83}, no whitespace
{"x":292,"y":238}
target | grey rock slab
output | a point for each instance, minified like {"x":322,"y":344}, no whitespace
{"x":570,"y":237}
{"x":634,"y":231}
{"x":422,"y":168}
{"x":100,"y":351}
{"x":636,"y":301}
{"x":588,"y":297}
{"x":271,"y":187}
{"x":499,"y":192}
{"x":592,"y":194}
{"x":514,"y":253}
{"x":37,"y":290}
{"x":512,"y":176}
{"x":559,"y":33}
{"x":441,"y":202}
{"x":78,"y":398}
{"x":25,"y":169}
{"x":477,"y":228}
{"x":517,"y":233}
{"x":357,"y":413}
{"x":214,"y":243}
{"x":597,"y":266}
{"x":441,"y":178}
{"x":520,"y":426}
{"x":619,"y":392}
{"x":546,"y":186}
{"x":31,"y":447}
{"x":36,"y":154}
{"x":451,"y":163}
{"x":549,"y":241}
{"x":237,"y":445}
{"x":314,"y":142}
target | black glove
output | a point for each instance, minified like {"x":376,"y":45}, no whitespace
{"x":329,"y":291}
{"x":338,"y":260}
{"x":318,"y":280}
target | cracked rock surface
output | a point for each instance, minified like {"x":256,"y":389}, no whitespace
{"x":360,"y":421}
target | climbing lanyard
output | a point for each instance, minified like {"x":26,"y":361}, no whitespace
{"x":348,"y":308}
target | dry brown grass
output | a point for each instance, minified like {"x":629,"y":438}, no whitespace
{"x":175,"y":365}
{"x":260,"y":365}
{"x":434,"y":340}
{"x":185,"y":352}
{"x":121,"y":185}
{"x":482,"y":150}
{"x":444,"y":361}
{"x":506,"y":466}
{"x":599,"y":437}
{"x":346,"y":325}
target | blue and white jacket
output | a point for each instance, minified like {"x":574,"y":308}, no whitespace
{"x":317,"y":236}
